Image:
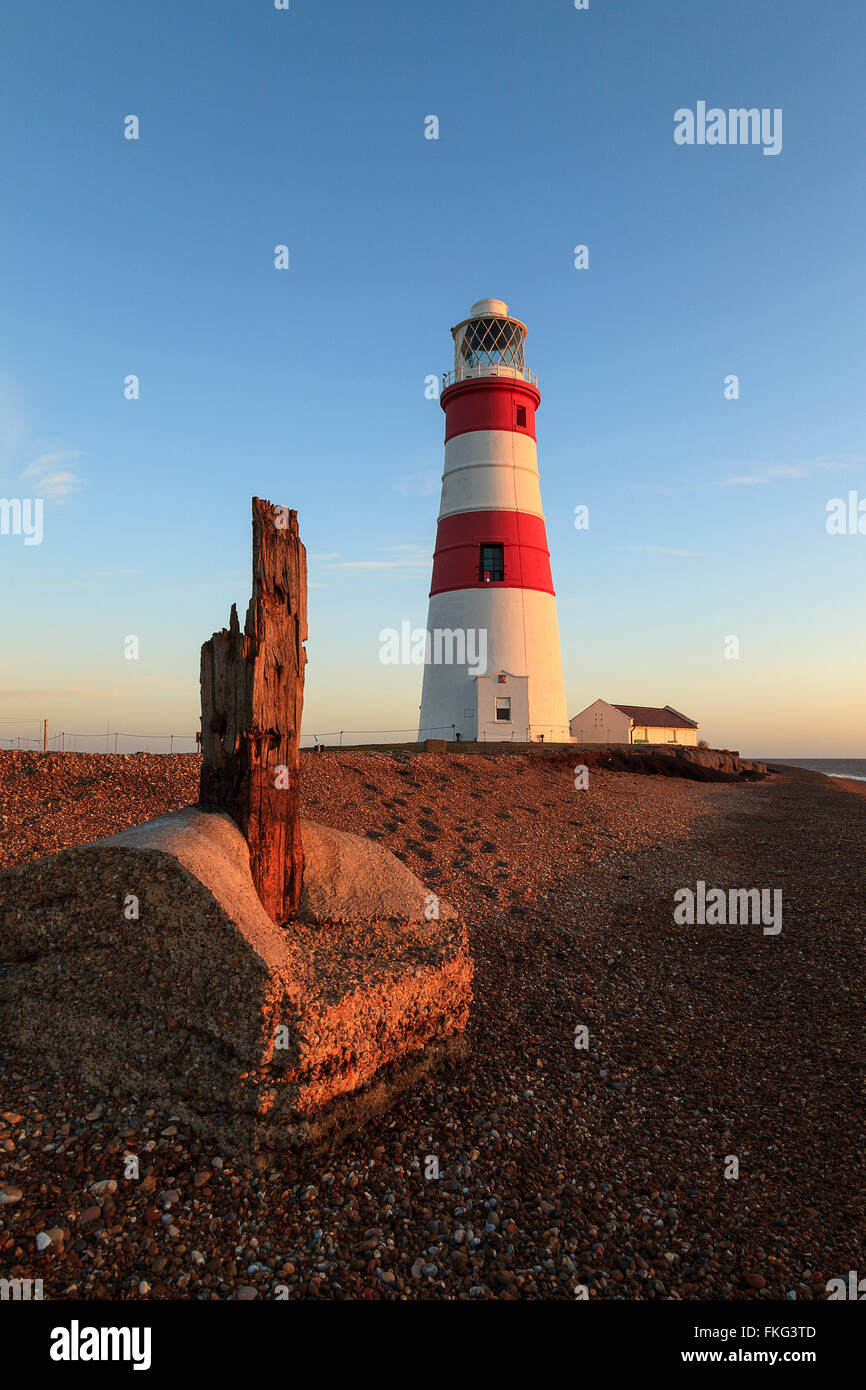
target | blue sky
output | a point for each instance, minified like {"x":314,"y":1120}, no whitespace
{"x":306,"y":128}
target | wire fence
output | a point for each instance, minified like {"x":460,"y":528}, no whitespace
{"x":112,"y":742}
{"x":115,"y":741}
{"x":35,"y":736}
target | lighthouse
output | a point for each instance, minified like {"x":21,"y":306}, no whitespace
{"x":493,"y":665}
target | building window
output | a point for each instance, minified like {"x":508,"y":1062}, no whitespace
{"x":491,"y":564}
{"x":503,"y":708}
{"x":521,"y":417}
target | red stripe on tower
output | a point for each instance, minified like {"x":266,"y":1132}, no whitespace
{"x":490,"y":403}
{"x":462,"y":538}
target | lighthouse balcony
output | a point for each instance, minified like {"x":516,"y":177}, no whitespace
{"x":467,"y":371}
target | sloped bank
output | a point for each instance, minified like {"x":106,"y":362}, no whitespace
{"x":695,"y":764}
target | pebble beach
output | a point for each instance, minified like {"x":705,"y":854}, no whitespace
{"x":536,"y":1167}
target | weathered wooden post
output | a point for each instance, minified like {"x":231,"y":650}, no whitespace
{"x":252,"y":695}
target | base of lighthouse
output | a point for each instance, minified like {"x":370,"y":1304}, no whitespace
{"x":510,"y":632}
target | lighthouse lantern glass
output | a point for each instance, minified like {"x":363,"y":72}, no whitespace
{"x":490,"y":342}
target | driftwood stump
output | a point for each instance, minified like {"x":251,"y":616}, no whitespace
{"x":252,"y":695}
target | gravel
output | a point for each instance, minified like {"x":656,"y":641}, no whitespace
{"x":559,"y":1167}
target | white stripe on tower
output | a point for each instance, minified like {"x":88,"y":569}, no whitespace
{"x":488,"y":469}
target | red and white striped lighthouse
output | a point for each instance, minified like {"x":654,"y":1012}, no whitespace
{"x":491,"y":566}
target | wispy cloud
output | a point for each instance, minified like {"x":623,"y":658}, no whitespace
{"x":109,"y":574}
{"x":664,"y":550}
{"x":407,"y":557}
{"x":774,"y":471}
{"x":381,"y":564}
{"x":425,"y":482}
{"x":52,"y":481}
{"x":63,"y":692}
{"x":847,"y":464}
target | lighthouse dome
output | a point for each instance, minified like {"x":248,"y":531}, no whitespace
{"x":489,"y":306}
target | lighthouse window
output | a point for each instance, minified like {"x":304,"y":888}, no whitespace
{"x":521,"y":417}
{"x":503,"y":708}
{"x":491,"y":564}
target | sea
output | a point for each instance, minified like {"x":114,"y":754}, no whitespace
{"x":853,"y":768}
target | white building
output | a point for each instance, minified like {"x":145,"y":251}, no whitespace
{"x":601,"y":722}
{"x":491,"y":565}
